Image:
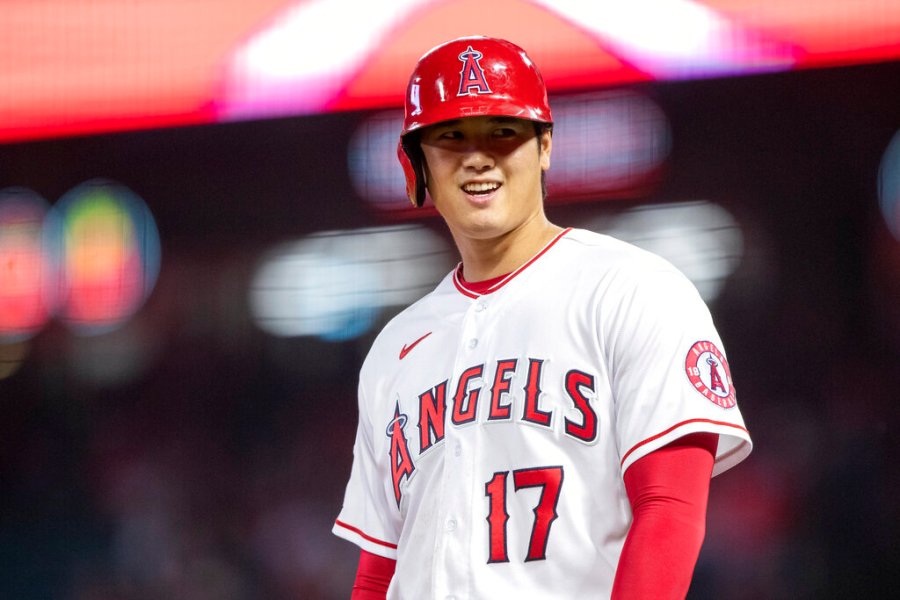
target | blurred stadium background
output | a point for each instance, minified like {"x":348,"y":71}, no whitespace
{"x":202,"y":227}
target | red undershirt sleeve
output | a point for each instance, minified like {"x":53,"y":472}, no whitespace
{"x":668,"y":490}
{"x":373,"y":576}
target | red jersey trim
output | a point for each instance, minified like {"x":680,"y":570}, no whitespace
{"x":466,"y":292}
{"x":673,"y":428}
{"x":367,"y":537}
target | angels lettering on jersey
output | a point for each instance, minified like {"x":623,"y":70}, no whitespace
{"x":705,"y":366}
{"x":467,"y":395}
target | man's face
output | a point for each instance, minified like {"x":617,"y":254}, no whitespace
{"x":484,"y":174}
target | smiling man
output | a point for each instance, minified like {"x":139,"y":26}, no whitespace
{"x":545,"y":423}
{"x":485,"y":180}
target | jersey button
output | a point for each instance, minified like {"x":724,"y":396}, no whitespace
{"x":480,"y":307}
{"x":472,"y":343}
{"x":457,"y":449}
{"x":451,"y":525}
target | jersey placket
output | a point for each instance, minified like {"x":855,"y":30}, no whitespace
{"x":456,"y":548}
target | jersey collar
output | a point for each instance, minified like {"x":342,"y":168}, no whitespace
{"x":465,"y":291}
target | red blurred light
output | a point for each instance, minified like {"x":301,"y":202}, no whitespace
{"x":26,"y":273}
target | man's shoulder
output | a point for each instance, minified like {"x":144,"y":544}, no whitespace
{"x":615,"y":269}
{"x":599,"y":251}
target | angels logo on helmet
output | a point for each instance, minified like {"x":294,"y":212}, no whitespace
{"x":471,"y":78}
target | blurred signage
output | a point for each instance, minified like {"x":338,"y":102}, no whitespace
{"x":87,"y":66}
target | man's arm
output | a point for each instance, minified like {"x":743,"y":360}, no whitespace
{"x":373,"y":576}
{"x":668,"y":490}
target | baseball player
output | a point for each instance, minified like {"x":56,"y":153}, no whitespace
{"x":544,"y":423}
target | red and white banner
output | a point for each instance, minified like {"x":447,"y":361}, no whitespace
{"x":86,"y":66}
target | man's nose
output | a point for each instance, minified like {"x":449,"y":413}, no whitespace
{"x":479,"y":157}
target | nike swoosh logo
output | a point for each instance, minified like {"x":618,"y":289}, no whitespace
{"x":405,"y":350}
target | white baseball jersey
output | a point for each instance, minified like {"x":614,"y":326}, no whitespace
{"x":494,"y":429}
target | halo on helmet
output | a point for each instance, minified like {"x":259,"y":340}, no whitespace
{"x":467,"y":77}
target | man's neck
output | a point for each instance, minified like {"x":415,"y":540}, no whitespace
{"x":484,"y":259}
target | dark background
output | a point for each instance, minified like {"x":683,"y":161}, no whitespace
{"x":216,"y":473}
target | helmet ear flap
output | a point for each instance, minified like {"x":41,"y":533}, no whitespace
{"x":410,"y":156}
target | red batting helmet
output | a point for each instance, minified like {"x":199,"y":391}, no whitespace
{"x":467,"y":77}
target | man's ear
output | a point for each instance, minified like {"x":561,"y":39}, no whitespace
{"x":545,"y":145}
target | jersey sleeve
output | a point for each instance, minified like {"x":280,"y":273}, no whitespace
{"x":668,"y":369}
{"x":366,"y":518}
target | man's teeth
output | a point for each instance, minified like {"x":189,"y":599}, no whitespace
{"x":480,"y":187}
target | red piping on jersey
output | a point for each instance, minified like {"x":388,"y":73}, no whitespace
{"x":673,"y":428}
{"x":367,"y":537}
{"x":464,"y":291}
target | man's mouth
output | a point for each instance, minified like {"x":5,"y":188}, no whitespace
{"x":477,"y":188}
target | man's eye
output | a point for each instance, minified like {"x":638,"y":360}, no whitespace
{"x":450,"y":135}
{"x":504,"y":132}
